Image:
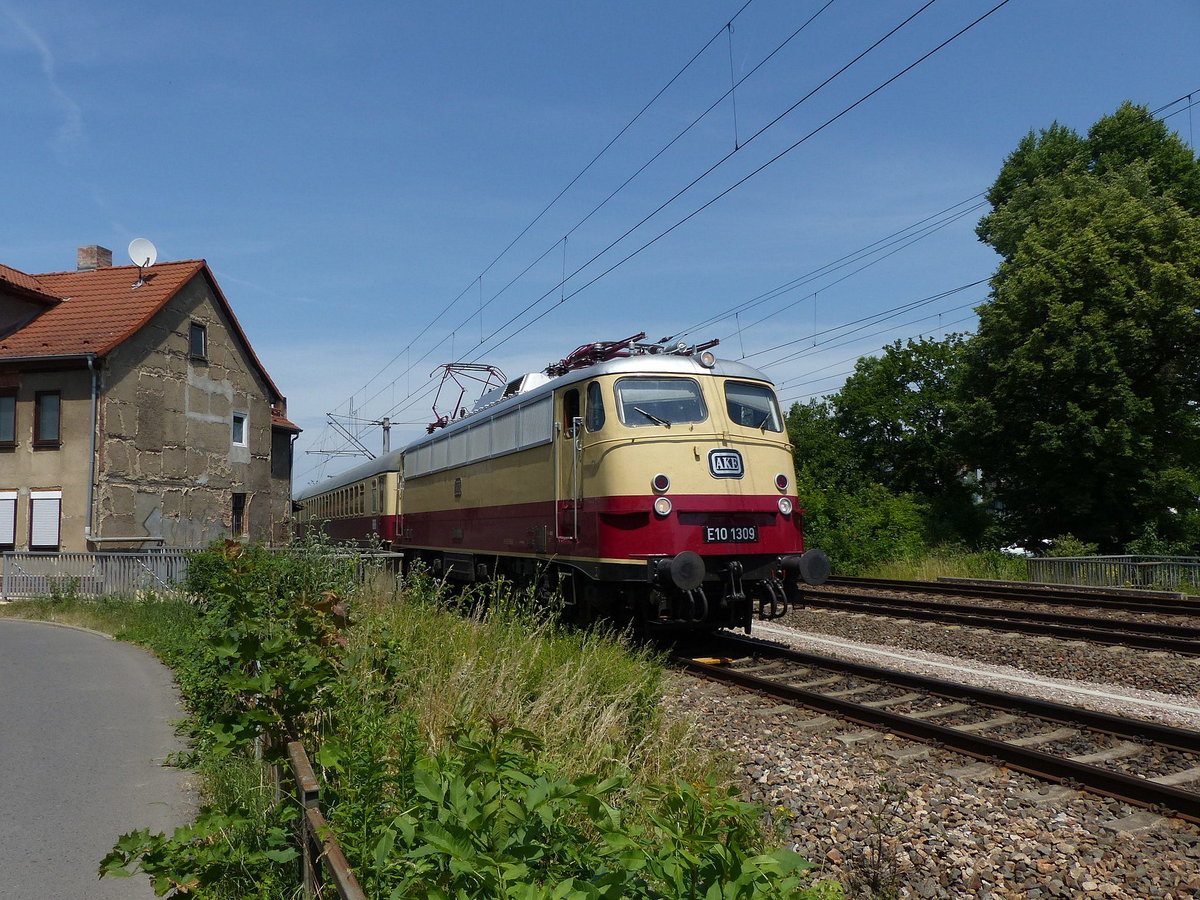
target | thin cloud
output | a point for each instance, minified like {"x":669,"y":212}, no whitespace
{"x":70,"y":131}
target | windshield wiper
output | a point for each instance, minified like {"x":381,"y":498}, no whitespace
{"x":763,"y":425}
{"x":652,"y":417}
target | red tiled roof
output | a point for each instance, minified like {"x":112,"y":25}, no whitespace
{"x":101,"y":308}
{"x":281,"y":421}
{"x":25,"y":283}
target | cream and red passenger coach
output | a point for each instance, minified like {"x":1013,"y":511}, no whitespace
{"x":650,"y":483}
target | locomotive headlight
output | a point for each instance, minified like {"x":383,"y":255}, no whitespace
{"x":785,"y":505}
{"x":661,"y":483}
{"x":662,"y":506}
{"x":781,"y":481}
{"x":707,"y":358}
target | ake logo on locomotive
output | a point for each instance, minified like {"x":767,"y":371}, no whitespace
{"x":725,"y":464}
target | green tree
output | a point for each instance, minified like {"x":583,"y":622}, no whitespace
{"x":854,"y":519}
{"x":897,"y":410}
{"x":1081,"y":386}
{"x":819,"y":447}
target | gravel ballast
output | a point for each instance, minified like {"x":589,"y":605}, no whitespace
{"x":866,"y":806}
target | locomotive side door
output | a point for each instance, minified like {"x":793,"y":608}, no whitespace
{"x":568,"y":474}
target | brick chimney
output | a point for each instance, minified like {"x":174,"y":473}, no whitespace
{"x":93,"y":257}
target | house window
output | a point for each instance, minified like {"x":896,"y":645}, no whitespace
{"x":8,"y":418}
{"x":237,"y":522}
{"x":46,"y":418}
{"x":198,"y":341}
{"x":239,"y":430}
{"x":8,"y":519}
{"x":45,"y":507}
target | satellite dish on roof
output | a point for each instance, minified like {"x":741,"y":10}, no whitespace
{"x":144,"y":254}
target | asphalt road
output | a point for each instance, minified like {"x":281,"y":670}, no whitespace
{"x":85,"y":724}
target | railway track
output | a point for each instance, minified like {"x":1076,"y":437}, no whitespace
{"x":1123,"y":599}
{"x":1142,"y":763}
{"x":1140,"y":634}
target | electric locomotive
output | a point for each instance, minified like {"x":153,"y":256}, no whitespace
{"x":643,"y":482}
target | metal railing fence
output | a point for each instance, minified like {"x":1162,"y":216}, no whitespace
{"x":324,"y":871}
{"x":1171,"y":572}
{"x":34,"y":574}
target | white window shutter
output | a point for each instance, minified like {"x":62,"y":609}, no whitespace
{"x":8,"y":517}
{"x":45,"y":508}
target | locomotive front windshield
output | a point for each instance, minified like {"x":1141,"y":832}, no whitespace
{"x":662,"y":401}
{"x":752,"y":405}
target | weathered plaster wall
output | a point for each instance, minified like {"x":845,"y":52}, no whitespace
{"x":168,"y":465}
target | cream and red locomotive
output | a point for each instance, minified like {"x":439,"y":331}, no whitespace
{"x":648,"y":484}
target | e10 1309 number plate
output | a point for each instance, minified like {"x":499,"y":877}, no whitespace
{"x":730,"y":534}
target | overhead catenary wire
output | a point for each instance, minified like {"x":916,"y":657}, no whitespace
{"x":892,"y":252}
{"x":840,"y":262}
{"x":792,"y":147}
{"x":828,"y":345}
{"x":562,"y":192}
{"x":501,"y":340}
{"x":791,"y":399}
{"x":561,"y":285}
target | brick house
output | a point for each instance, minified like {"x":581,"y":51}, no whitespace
{"x":134,"y":414}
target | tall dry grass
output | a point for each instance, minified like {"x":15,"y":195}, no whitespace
{"x":593,"y":698}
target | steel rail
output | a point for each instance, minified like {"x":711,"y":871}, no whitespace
{"x":1185,"y":739}
{"x":1187,"y":632}
{"x":1003,"y":620}
{"x":1115,"y":599}
{"x":1127,"y":788}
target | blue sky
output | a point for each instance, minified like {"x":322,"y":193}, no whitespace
{"x":352,"y":170}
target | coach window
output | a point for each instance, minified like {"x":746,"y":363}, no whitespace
{"x":570,"y":411}
{"x":8,"y":418}
{"x":46,"y":418}
{"x":595,"y":407}
{"x":752,"y":406}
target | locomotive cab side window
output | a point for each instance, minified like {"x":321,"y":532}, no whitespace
{"x":570,"y":412}
{"x":752,"y":406}
{"x":595,"y":407}
{"x":659,"y":401}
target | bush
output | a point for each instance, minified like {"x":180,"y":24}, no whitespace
{"x":862,"y":526}
{"x":1068,"y":545}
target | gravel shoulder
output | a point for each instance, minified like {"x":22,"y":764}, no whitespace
{"x":866,"y":806}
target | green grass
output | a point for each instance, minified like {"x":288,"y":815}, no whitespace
{"x":991,"y":565}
